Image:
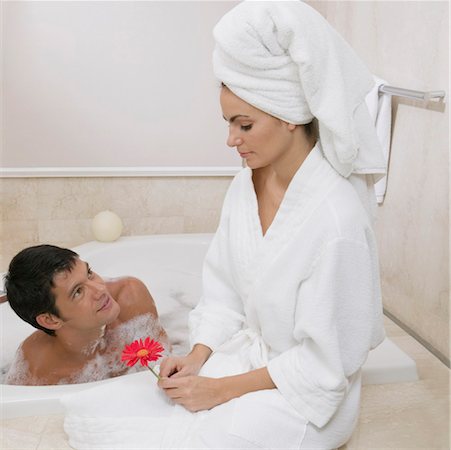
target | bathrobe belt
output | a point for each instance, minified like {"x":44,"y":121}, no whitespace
{"x":248,"y":343}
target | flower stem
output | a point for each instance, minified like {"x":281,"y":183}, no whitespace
{"x":150,"y":368}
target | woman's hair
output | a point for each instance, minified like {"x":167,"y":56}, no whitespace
{"x":311,"y":129}
{"x":29,"y":281}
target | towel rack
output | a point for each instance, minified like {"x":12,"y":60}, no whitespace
{"x":400,"y":92}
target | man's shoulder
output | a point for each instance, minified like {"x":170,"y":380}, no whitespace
{"x":28,"y":362}
{"x":36,"y":342}
{"x":132,"y":296}
{"x":125,"y":290}
{"x":36,"y":351}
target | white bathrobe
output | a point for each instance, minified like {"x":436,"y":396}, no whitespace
{"x":303,"y":300}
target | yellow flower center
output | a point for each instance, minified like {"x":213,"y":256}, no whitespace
{"x":142,"y":352}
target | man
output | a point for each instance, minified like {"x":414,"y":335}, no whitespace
{"x":83,"y":321}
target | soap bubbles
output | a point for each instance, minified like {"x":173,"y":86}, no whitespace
{"x":108,"y":364}
{"x":105,"y":361}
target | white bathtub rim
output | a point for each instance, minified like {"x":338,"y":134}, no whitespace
{"x":25,"y":401}
{"x":198,"y":238}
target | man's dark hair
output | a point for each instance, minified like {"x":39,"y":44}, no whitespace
{"x":29,"y":281}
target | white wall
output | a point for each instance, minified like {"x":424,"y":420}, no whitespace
{"x":115,"y":84}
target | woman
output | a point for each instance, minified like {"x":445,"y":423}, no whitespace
{"x":291,"y":301}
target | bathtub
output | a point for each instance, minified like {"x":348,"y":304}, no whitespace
{"x":170,"y":266}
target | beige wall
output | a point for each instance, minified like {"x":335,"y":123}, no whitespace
{"x":407,"y":44}
{"x":60,"y":210}
{"x":111,"y":84}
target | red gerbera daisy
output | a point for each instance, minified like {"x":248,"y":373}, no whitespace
{"x":144,"y":352}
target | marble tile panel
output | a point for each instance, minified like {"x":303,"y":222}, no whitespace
{"x":428,"y":365}
{"x":54,"y":441}
{"x":403,"y":416}
{"x":16,"y":235}
{"x":138,"y":197}
{"x":392,"y":329}
{"x":10,"y":249}
{"x":20,"y":231}
{"x":32,"y":424}
{"x":206,"y":221}
{"x":18,"y":440}
{"x":413,"y":226}
{"x":126,"y":197}
{"x":4,"y":262}
{"x":70,"y":198}
{"x":205,"y":194}
{"x":65,"y":230}
{"x":432,"y":327}
{"x":165,"y":196}
{"x":19,"y":199}
{"x":54,"y":424}
{"x":153,"y":225}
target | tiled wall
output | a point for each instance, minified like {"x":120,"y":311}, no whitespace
{"x":60,"y":210}
{"x":407,"y":44}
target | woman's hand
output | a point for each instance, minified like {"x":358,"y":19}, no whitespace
{"x":197,"y":393}
{"x":179,"y":366}
{"x":193,"y":392}
{"x":182,"y":366}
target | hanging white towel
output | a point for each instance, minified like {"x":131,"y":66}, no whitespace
{"x":379,"y":107}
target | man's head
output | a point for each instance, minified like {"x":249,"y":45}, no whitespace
{"x":30,"y":280}
{"x":52,"y":288}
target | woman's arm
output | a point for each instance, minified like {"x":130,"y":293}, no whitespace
{"x":238,"y":385}
{"x":338,"y":319}
{"x":199,"y":393}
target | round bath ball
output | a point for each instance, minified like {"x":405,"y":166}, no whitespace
{"x":107,"y":226}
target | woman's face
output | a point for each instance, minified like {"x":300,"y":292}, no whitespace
{"x":260,"y":139}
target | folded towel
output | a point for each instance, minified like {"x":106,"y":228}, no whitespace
{"x":123,"y":413}
{"x":379,"y":107}
{"x":285,"y":59}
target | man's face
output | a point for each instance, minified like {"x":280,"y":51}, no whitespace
{"x":82,"y":298}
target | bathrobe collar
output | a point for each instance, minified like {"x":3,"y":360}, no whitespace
{"x":297,"y":189}
{"x":252,"y":251}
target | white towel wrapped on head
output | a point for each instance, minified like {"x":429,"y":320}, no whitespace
{"x":285,"y":59}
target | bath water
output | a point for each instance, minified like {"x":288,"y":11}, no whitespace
{"x":106,"y":354}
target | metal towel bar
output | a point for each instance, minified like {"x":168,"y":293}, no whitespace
{"x":408,"y":93}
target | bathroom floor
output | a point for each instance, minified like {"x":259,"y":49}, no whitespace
{"x":393,"y":416}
